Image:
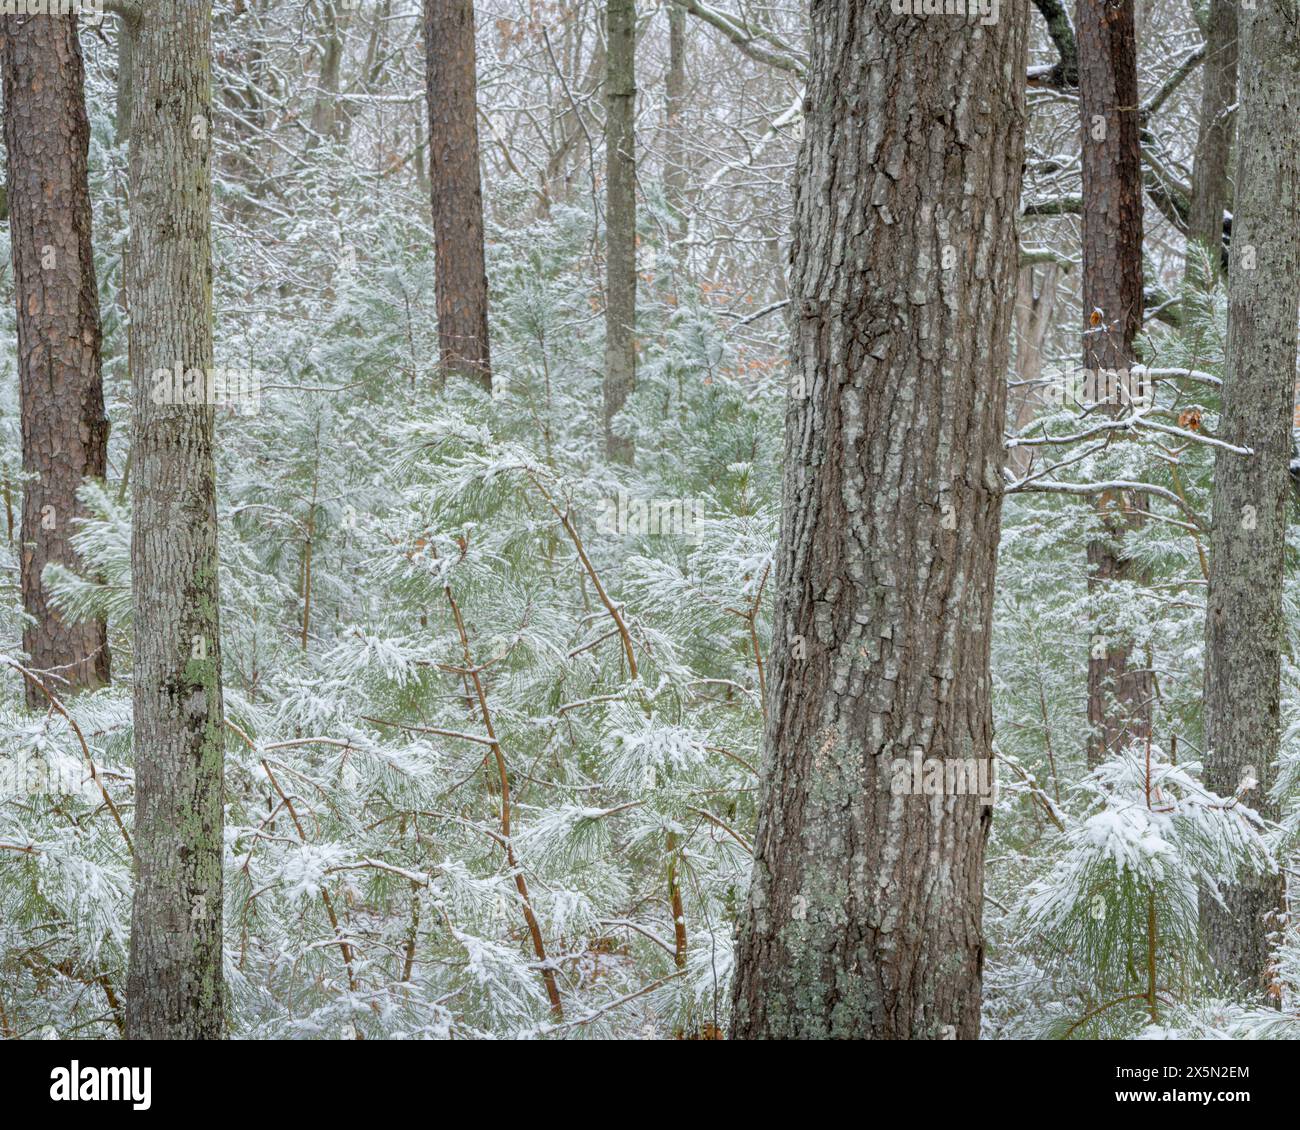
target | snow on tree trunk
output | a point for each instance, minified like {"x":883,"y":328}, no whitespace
{"x":864,"y":915}
{"x":174,"y":983}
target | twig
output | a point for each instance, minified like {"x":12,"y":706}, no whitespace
{"x":725,"y":827}
{"x":521,"y":885}
{"x":610,"y":607}
{"x":85,"y":749}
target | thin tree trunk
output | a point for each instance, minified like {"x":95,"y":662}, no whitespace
{"x":1119,"y":691}
{"x":174,"y":983}
{"x":674,"y":114}
{"x":1243,"y":623}
{"x":64,"y":429}
{"x":1214,"y":133}
{"x":461,"y":285}
{"x":324,"y":112}
{"x":1032,"y":322}
{"x":620,"y":221}
{"x":557,"y":180}
{"x":863,"y":918}
{"x":125,"y":68}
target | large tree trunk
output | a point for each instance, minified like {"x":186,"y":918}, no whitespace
{"x":620,"y":221}
{"x":1243,"y":624}
{"x":1119,"y":685}
{"x":1214,"y":134}
{"x":462,"y":293}
{"x":863,"y":918}
{"x":174,"y":984}
{"x":65,"y":431}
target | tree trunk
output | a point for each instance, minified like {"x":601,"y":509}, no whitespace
{"x":620,"y":221}
{"x":1032,"y":322}
{"x":174,"y":984}
{"x":1119,"y":690}
{"x":1243,"y":623}
{"x":1214,"y":133}
{"x":324,"y":111}
{"x":64,"y":429}
{"x":674,"y":114}
{"x":461,"y":285}
{"x":557,"y":180}
{"x":863,"y":918}
{"x":125,"y":69}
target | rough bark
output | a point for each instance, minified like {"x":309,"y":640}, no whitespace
{"x":620,"y":221}
{"x":64,"y":429}
{"x":1119,"y":684}
{"x":174,"y":982}
{"x":461,"y":284}
{"x":1243,"y":624}
{"x":864,"y":914}
{"x":1214,"y":132}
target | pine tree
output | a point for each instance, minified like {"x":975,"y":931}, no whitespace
{"x":863,"y":917}
{"x":1244,"y":628}
{"x":65,"y":430}
{"x":1120,"y":688}
{"x":451,"y":84}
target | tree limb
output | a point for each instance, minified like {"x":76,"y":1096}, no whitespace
{"x":744,"y":38}
{"x":1065,"y":74}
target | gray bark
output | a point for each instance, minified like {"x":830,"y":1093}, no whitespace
{"x":864,"y":914}
{"x":674,"y":138}
{"x":1215,"y":130}
{"x":324,"y":112}
{"x":620,"y":221}
{"x":1243,"y":625}
{"x":1033,"y":321}
{"x":174,"y":983}
{"x":125,"y":68}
